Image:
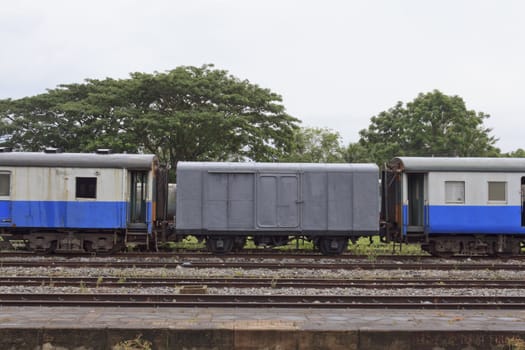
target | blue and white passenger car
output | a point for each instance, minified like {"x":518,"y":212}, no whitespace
{"x":456,"y":205}
{"x":76,"y":201}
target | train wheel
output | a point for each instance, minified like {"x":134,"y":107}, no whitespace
{"x":333,"y":245}
{"x":117,"y":247}
{"x":431,"y":248}
{"x":239,"y":243}
{"x":220,"y":245}
{"x":152,"y":245}
{"x":278,"y":241}
{"x":513,"y":248}
{"x":88,"y":247}
{"x":52,"y":248}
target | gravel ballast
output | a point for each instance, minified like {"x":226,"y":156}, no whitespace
{"x":319,"y":274}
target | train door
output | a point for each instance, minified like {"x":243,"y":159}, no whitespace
{"x":415,"y":220}
{"x":523,"y":201}
{"x":138,"y":199}
{"x":229,"y":201}
{"x":278,"y":201}
{"x":5,"y":199}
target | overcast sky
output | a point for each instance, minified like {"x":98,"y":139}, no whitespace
{"x":335,"y":63}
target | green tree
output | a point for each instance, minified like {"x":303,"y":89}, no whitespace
{"x":356,"y":153}
{"x":519,"y":153}
{"x":76,"y":118}
{"x":433,"y":124}
{"x":315,"y":145}
{"x":189,"y":113}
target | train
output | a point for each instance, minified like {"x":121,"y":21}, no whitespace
{"x":54,"y":202}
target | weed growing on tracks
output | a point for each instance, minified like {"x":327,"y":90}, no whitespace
{"x":515,"y":343}
{"x":238,"y":273}
{"x":134,"y":344}
{"x":83,"y":288}
{"x":372,"y":256}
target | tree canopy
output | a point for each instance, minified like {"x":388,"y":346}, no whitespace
{"x":188,"y":113}
{"x":201,"y":113}
{"x":433,"y":124}
{"x":316,"y":145}
{"x":519,"y":153}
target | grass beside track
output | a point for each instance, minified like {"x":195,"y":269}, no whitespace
{"x":364,"y":246}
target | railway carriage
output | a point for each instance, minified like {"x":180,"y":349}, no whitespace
{"x":456,"y":205}
{"x":77,"y":201}
{"x":223,"y":203}
{"x":90,"y":202}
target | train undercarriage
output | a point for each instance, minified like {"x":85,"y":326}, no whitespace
{"x":473,"y":245}
{"x":108,"y":242}
{"x":96,"y":242}
{"x":221,"y":244}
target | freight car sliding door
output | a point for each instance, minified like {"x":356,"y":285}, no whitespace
{"x":278,"y":201}
{"x":228,"y":201}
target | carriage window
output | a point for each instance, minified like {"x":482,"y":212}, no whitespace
{"x":5,"y":184}
{"x":497,"y":191}
{"x":86,"y":187}
{"x":455,"y":192}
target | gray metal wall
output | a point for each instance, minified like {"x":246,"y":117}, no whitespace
{"x":277,"y":197}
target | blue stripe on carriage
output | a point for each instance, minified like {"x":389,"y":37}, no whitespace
{"x":487,"y":219}
{"x":62,"y":214}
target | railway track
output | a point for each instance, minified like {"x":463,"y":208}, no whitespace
{"x":273,"y":265}
{"x":275,"y":301}
{"x":198,"y":292}
{"x":150,"y":282}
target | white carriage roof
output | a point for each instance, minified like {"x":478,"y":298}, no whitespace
{"x":77,"y":160}
{"x":276,"y":167}
{"x":426,"y":164}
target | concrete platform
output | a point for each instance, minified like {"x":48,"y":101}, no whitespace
{"x":68,"y":328}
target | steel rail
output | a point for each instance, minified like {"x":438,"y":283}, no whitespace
{"x":71,"y":263}
{"x":263,"y":254}
{"x":149,"y":282}
{"x":320,"y":301}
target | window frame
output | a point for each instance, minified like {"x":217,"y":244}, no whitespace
{"x":452,"y":201}
{"x":4,"y":195}
{"x":505,"y":193}
{"x":85,"y":194}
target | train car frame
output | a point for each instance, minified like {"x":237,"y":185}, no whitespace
{"x":224,"y":203}
{"x":465,"y":206}
{"x":67,"y":202}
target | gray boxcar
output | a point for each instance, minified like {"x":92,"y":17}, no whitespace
{"x":223,"y":203}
